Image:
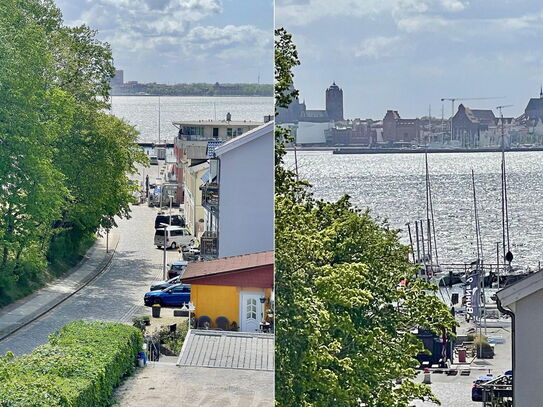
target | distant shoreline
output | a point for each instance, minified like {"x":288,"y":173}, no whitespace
{"x":197,"y":96}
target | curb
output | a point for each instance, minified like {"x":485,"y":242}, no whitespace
{"x":26,"y":320}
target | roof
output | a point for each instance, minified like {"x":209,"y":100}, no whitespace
{"x":266,"y":128}
{"x":535,"y":104}
{"x":482,"y":116}
{"x":521,"y":289}
{"x":229,"y":264}
{"x":211,"y":146}
{"x":217,"y":123}
{"x":199,"y":167}
{"x":228,"y":350}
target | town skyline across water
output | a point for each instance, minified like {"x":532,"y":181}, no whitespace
{"x":468,"y":128}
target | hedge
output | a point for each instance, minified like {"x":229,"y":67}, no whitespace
{"x":79,"y":367}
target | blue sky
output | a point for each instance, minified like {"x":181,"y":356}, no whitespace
{"x":408,"y":54}
{"x":173,"y":41}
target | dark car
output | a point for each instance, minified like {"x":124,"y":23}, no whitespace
{"x":177,"y":220}
{"x":161,"y":285}
{"x":177,"y":268}
{"x":476,"y":390}
{"x":174,"y":296}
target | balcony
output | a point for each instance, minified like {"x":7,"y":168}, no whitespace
{"x":209,"y":244}
{"x":210,"y":196}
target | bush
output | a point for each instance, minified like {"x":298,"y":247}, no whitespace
{"x":79,"y":367}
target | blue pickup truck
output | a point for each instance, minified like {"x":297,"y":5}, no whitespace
{"x":173,"y":296}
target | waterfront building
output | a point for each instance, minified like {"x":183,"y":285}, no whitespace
{"x":238,"y":195}
{"x":118,"y":79}
{"x":334,"y":103}
{"x":298,"y":112}
{"x":468,"y":125}
{"x":191,"y":143}
{"x":398,"y":130}
{"x":534,"y":109}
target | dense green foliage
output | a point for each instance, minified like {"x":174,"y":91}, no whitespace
{"x":79,"y":367}
{"x":63,"y":159}
{"x":194,"y":89}
{"x":347,"y":297}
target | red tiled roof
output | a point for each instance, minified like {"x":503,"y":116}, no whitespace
{"x":229,"y":264}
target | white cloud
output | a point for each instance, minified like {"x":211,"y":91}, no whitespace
{"x":379,"y":47}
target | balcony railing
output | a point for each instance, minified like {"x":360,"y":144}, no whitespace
{"x":210,"y":196}
{"x":209,"y":244}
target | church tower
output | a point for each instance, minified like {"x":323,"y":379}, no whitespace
{"x":334,"y":102}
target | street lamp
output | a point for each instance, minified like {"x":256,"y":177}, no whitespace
{"x":165,"y":226}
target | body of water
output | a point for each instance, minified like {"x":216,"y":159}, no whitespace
{"x":393,"y":187}
{"x":142,"y":111}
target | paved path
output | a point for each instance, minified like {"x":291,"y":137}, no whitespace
{"x":18,"y":314}
{"x":115,"y":295}
{"x":455,"y":391}
{"x":163,"y":384}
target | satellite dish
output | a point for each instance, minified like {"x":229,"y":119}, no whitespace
{"x":509,"y":257}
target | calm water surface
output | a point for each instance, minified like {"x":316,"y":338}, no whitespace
{"x":142,"y":111}
{"x":392,"y":186}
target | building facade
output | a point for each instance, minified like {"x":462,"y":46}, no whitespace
{"x":191,"y":143}
{"x":469,"y":125}
{"x":398,"y":130}
{"x":298,"y":112}
{"x":334,"y":102}
{"x":238,"y":195}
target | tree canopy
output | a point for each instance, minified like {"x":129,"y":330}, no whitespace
{"x":347,"y":298}
{"x":64,"y":160}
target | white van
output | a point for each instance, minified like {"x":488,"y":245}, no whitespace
{"x":153,"y":160}
{"x":176,"y":236}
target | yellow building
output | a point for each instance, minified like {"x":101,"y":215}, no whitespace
{"x":238,"y":288}
{"x":193,"y":209}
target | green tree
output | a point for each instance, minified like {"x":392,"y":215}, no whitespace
{"x":32,"y":116}
{"x":64,"y":161}
{"x":344,"y":320}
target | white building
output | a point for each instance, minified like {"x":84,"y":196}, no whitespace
{"x":525,"y":300}
{"x":241,"y":187}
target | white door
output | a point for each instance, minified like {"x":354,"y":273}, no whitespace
{"x":251,"y":311}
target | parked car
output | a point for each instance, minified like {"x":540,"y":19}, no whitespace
{"x":476,"y":390}
{"x":177,"y":220}
{"x":176,"y":236}
{"x":174,"y":296}
{"x":177,"y":268}
{"x":153,"y":160}
{"x":161,"y":285}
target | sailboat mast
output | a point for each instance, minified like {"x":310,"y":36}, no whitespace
{"x":159,"y":119}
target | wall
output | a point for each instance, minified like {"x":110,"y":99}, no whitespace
{"x":246,"y":198}
{"x":528,"y":344}
{"x":220,"y":301}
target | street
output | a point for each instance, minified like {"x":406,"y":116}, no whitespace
{"x":117,"y":294}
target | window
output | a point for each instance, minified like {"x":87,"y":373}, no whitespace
{"x":240,"y":131}
{"x":215,"y":132}
{"x":251,"y":309}
{"x":229,"y":132}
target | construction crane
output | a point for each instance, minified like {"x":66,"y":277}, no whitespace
{"x":455,"y":99}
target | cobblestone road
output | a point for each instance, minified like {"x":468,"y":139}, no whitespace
{"x":114,"y":296}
